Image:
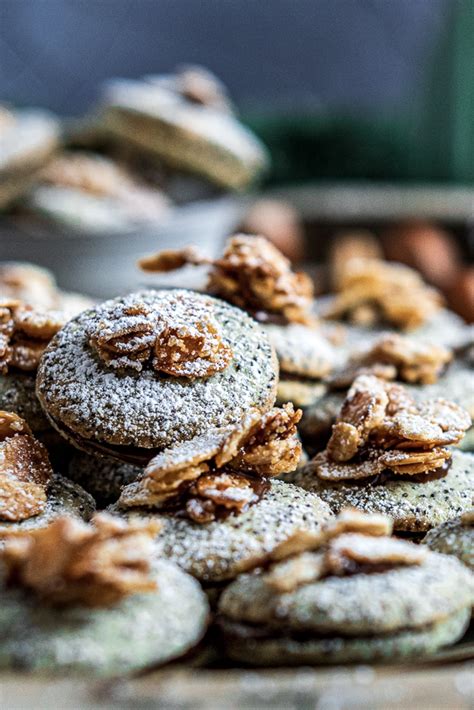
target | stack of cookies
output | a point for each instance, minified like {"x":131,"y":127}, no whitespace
{"x":183,"y":414}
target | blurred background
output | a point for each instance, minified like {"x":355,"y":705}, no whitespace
{"x":366,"y":108}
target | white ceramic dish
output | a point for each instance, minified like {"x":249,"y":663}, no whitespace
{"x":104,"y":265}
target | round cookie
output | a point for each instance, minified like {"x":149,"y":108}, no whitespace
{"x":399,"y":611}
{"x":63,"y":498}
{"x":161,"y":119}
{"x":131,"y":414}
{"x":454,"y":537}
{"x":301,"y":350}
{"x":218,"y":551}
{"x":141,"y":630}
{"x":240,"y":645}
{"x":102,"y":477}
{"x":414,"y":507}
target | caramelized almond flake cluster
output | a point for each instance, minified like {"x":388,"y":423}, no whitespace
{"x":182,"y":341}
{"x":396,"y":357}
{"x":350,"y":544}
{"x":73,"y":563}
{"x":209,"y":472}
{"x":251,"y":274}
{"x":372,"y":291}
{"x":25,"y":470}
{"x":268,"y":446}
{"x":216,"y":490}
{"x":24,"y":334}
{"x":172,"y":259}
{"x":126,"y":338}
{"x":380,"y":427}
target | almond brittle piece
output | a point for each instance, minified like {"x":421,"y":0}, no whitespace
{"x":372,"y":290}
{"x":295,"y":572}
{"x":25,"y":470}
{"x":348,"y":552}
{"x":172,"y":259}
{"x":362,"y":411}
{"x":192,"y":349}
{"x":267,"y":447}
{"x":74,"y":563}
{"x":415,"y":362}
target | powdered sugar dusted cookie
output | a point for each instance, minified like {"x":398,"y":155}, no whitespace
{"x":184,"y":120}
{"x":455,"y":537}
{"x":388,"y":453}
{"x":140,"y":373}
{"x":349,"y":593}
{"x":103,"y":477}
{"x":219,"y":550}
{"x":221,"y":511}
{"x":64,"y":613}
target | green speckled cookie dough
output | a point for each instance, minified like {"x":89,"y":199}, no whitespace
{"x":217,"y":551}
{"x":63,"y":498}
{"x":414,"y":507}
{"x":140,"y":631}
{"x":90,"y":402}
{"x":287,"y":651}
{"x":453,"y":538}
{"x":400,"y":611}
{"x":102,"y":477}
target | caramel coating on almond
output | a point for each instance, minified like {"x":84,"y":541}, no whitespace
{"x":252,"y":274}
{"x":74,"y":563}
{"x":182,"y":340}
{"x":352,"y":543}
{"x":24,"y":334}
{"x":25,"y":470}
{"x":259,"y":445}
{"x":381,"y":427}
{"x":373,"y":291}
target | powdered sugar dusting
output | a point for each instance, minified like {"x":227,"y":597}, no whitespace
{"x":148,"y":409}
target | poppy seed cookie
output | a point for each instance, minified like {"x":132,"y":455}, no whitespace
{"x":414,"y":506}
{"x":130,"y":413}
{"x":455,"y":537}
{"x":278,"y":651}
{"x":352,"y":598}
{"x":142,"y":630}
{"x":218,"y":551}
{"x":102,"y":477}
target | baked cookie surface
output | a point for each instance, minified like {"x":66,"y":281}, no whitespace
{"x":454,"y":537}
{"x":219,"y":550}
{"x":17,"y":394}
{"x":91,"y":402}
{"x":142,"y":630}
{"x":102,"y":477}
{"x":414,"y":506}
